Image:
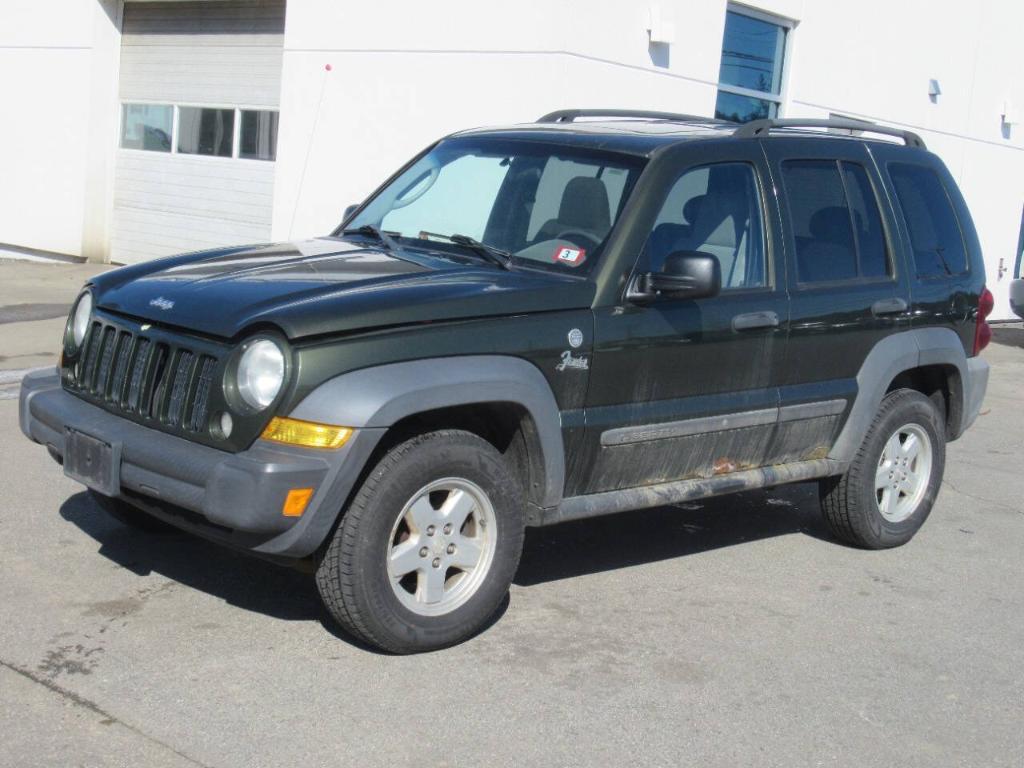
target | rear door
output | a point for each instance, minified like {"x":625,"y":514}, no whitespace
{"x":680,"y":387}
{"x":847,"y":288}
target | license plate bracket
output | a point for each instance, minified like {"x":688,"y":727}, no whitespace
{"x":93,"y":462}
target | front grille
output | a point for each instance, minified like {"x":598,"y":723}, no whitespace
{"x":148,"y":379}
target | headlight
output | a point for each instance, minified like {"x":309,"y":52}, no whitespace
{"x":80,"y":319}
{"x":260,"y":373}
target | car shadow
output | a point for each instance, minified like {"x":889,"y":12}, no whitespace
{"x":549,"y":554}
{"x":648,"y":535}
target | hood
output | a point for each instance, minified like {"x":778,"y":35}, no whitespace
{"x":323,"y":286}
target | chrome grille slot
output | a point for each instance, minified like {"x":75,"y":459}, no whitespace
{"x":153,"y":396}
{"x":107,"y":345}
{"x":138,"y":371}
{"x":124,"y":356}
{"x":201,"y":399}
{"x":179,"y":388}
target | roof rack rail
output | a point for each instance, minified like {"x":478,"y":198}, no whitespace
{"x":569,"y":115}
{"x":757,"y":128}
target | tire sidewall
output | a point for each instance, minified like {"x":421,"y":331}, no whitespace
{"x":910,"y":408}
{"x":457,"y":455}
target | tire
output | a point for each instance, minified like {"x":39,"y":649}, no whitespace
{"x":413,"y":502}
{"x":872,"y":505}
{"x":126,"y":514}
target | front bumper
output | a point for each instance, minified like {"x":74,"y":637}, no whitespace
{"x":232,"y":498}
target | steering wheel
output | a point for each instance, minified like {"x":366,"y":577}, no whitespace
{"x":575,"y":235}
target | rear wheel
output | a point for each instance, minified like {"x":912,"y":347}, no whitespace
{"x":889,"y":489}
{"x":126,"y":514}
{"x":426,"y":551}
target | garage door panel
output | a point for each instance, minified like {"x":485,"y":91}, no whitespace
{"x":228,"y":17}
{"x":230,"y":76}
{"x":214,"y":53}
{"x":147,"y":234}
{"x":177,"y":185}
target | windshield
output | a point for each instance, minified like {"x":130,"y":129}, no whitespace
{"x":543,"y":204}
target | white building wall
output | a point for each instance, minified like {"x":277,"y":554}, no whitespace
{"x":55,"y":59}
{"x":406,"y":72}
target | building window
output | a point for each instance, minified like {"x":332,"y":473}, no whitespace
{"x":147,"y":126}
{"x":753,"y":56}
{"x":247,"y":134}
{"x":205,"y":131}
{"x":258,"y":135}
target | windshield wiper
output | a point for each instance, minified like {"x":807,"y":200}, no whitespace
{"x":495,"y":255}
{"x":377,"y":234}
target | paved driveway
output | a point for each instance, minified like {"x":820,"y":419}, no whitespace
{"x":730,"y":633}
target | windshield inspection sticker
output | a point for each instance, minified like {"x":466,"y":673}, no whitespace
{"x":571,"y":256}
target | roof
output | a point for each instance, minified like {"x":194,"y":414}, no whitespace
{"x":641,"y":133}
{"x":630,"y":136}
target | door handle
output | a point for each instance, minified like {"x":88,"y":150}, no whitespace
{"x":753,"y":320}
{"x":889,"y":307}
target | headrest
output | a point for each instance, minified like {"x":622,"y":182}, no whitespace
{"x":585,"y":205}
{"x":831,"y":224}
{"x":691,"y":209}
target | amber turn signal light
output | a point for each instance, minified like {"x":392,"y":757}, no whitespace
{"x":306,"y":433}
{"x":295,"y":502}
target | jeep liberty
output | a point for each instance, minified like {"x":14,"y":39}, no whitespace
{"x":601,"y":311}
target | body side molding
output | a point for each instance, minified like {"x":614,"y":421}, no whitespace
{"x":644,"y":497}
{"x":380,"y":396}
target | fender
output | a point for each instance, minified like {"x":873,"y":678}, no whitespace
{"x":380,"y":396}
{"x":902,"y":352}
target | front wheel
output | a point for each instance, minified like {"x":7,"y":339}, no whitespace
{"x":889,"y":489}
{"x":427,"y":549}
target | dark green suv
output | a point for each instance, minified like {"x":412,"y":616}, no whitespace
{"x":600,"y":311}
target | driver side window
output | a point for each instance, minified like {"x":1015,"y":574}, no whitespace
{"x":715,"y":209}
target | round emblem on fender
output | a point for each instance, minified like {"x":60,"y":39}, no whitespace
{"x":575,"y":337}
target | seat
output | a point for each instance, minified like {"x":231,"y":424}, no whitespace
{"x":721,"y":231}
{"x":584,"y":208}
{"x":828,"y":253}
{"x":671,"y":237}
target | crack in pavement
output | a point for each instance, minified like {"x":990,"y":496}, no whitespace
{"x":93,"y":707}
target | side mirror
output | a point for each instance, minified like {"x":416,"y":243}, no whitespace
{"x":685,"y":274}
{"x":349,"y":210}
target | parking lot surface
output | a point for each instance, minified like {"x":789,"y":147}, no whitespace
{"x":732,"y":632}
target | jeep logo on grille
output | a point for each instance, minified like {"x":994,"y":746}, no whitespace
{"x":161,"y":303}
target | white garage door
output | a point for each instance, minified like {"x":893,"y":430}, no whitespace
{"x":199,"y":91}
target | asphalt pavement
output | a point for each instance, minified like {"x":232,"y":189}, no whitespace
{"x":733,"y":632}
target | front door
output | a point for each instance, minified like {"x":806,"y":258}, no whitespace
{"x":685,"y":388}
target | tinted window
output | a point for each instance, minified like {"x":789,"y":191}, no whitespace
{"x":837,"y":229}
{"x":715,"y":209}
{"x":870,"y":237}
{"x":823,"y":236}
{"x":931,"y":221}
{"x":205,"y":131}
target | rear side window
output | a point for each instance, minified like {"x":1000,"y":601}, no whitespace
{"x":837,"y":228}
{"x":935,"y":235}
